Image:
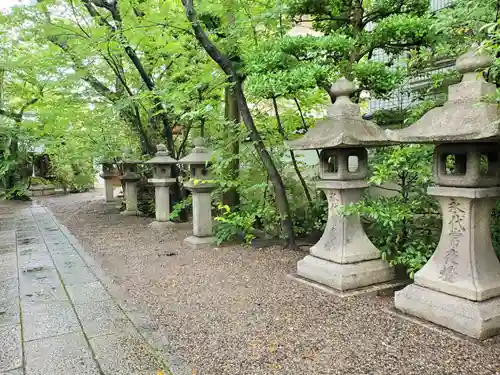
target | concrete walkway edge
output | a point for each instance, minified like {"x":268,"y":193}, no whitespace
{"x":151,"y":332}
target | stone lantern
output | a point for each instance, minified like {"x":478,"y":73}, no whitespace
{"x":108,"y":174}
{"x":130,"y":177}
{"x":199,"y":161}
{"x":162,"y":180}
{"x":459,"y":287}
{"x":344,"y":258}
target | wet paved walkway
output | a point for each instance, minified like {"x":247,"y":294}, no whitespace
{"x":56,"y":316}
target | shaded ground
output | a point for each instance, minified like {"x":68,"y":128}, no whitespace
{"x":232,"y":310}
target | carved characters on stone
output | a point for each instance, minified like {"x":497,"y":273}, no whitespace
{"x":456,"y":232}
{"x":333,"y":204}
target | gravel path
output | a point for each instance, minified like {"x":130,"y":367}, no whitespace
{"x":233,"y":311}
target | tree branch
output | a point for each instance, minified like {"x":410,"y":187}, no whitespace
{"x":216,"y":55}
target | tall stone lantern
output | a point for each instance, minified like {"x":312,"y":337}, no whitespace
{"x":199,"y":161}
{"x":108,"y":174}
{"x":344,"y":258}
{"x":459,"y":287}
{"x":162,"y":171}
{"x":130,"y":177}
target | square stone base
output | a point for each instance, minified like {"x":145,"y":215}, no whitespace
{"x":131,"y":213}
{"x":162,"y":225}
{"x":386,"y":289}
{"x":199,"y":242}
{"x":347,"y":276}
{"x":479,"y":320}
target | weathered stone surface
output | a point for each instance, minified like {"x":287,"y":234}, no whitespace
{"x":9,"y":311}
{"x":48,"y":319}
{"x":199,"y":155}
{"x":124,"y":354}
{"x":87,"y":293}
{"x":343,"y":127}
{"x":8,"y":266}
{"x":101,"y":318}
{"x":465,"y":116}
{"x":469,"y":163}
{"x":195,"y":242}
{"x":162,"y":203}
{"x":162,"y":164}
{"x":344,"y":239}
{"x":18,"y":371}
{"x":475,"y":319}
{"x":131,"y":199}
{"x":10,"y":347}
{"x":464,"y":263}
{"x":66,"y":354}
{"x":42,"y":286}
{"x":109,"y":190}
{"x":29,"y":262}
{"x":65,"y":262}
{"x":162,"y":226}
{"x":335,"y":164}
{"x":202,"y":214}
{"x":344,"y":276}
{"x":77,"y":275}
{"x":8,"y":289}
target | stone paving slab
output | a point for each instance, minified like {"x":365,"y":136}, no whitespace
{"x":9,"y":311}
{"x":52,"y":301}
{"x":8,"y":266}
{"x":66,"y":354}
{"x":124,"y":354}
{"x":42,"y":286}
{"x":102,"y":318}
{"x":18,"y":371}
{"x":87,"y":293}
{"x":9,"y":302}
{"x":10,"y":347}
{"x":48,"y":319}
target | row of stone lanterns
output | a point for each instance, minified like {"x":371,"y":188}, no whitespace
{"x":459,"y":288}
{"x":162,"y":163}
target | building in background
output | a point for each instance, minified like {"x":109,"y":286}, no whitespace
{"x":405,"y":96}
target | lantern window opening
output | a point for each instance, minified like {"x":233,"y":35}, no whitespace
{"x":331,"y":165}
{"x":455,"y":164}
{"x":353,"y":163}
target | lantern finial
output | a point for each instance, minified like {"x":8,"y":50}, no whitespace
{"x":343,"y":87}
{"x":161,"y":147}
{"x":199,"y":142}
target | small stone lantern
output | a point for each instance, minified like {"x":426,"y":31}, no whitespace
{"x":199,"y":161}
{"x":130,"y":177}
{"x":108,"y":174}
{"x":344,"y":258}
{"x":459,"y":287}
{"x":162,"y":171}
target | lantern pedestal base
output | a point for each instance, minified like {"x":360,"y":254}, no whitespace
{"x":162,"y":225}
{"x":112,"y":203}
{"x":479,"y":320}
{"x":199,"y":242}
{"x":131,"y":213}
{"x":345,"y":276}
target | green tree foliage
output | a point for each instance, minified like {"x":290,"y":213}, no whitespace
{"x":98,"y":79}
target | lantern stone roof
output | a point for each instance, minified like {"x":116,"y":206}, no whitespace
{"x":343,"y":127}
{"x":466,"y":116}
{"x":199,"y":154}
{"x":162,"y":156}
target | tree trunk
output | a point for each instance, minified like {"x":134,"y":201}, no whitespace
{"x":292,"y":154}
{"x":227,"y":66}
{"x":272,"y":171}
{"x":232,"y":114}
